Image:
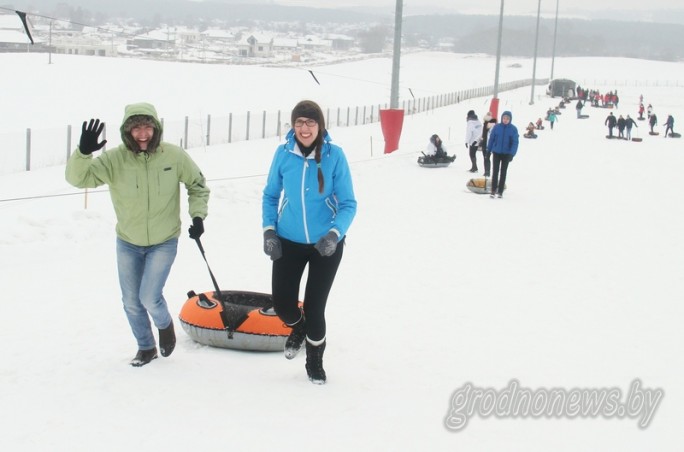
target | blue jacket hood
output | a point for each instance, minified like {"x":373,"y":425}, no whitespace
{"x":506,"y":113}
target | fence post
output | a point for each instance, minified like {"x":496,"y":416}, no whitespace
{"x":68,"y":141}
{"x":185,"y":134}
{"x":278,"y":126}
{"x":356,"y":119}
{"x":263,"y":126}
{"x":348,"y":111}
{"x":208,"y":129}
{"x":230,"y":127}
{"x":247,"y":136}
{"x":338,"y":116}
{"x":28,"y":149}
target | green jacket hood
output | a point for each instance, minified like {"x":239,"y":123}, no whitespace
{"x":141,"y":108}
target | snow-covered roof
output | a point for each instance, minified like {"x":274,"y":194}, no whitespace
{"x":156,"y":35}
{"x":218,"y":33}
{"x":285,"y":42}
{"x":14,"y":37}
{"x":10,"y":22}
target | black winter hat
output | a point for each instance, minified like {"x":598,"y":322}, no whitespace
{"x":308,"y":109}
{"x":471,"y":113}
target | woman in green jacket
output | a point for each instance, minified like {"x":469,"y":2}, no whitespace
{"x":144,"y":176}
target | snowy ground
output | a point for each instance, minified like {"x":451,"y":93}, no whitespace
{"x":572,"y":280}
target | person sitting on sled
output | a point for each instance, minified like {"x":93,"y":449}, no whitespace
{"x":435,"y":148}
{"x":540,"y":124}
{"x":529,"y":131}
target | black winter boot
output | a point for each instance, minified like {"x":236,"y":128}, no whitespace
{"x":143,"y":357}
{"x":296,"y":339}
{"x":314,"y":363}
{"x":167,"y":340}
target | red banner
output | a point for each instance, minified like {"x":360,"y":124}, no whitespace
{"x":391,"y":122}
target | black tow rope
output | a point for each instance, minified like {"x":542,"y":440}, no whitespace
{"x":217,"y":293}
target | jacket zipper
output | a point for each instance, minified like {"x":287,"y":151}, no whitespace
{"x":303,"y":191}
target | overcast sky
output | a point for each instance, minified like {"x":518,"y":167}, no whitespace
{"x":548,"y":7}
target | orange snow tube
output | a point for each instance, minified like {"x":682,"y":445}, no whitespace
{"x":236,"y":319}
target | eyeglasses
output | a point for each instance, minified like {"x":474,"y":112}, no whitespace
{"x":309,"y":123}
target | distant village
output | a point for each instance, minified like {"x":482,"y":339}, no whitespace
{"x":236,"y":45}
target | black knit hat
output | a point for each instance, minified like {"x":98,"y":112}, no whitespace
{"x":308,"y":109}
{"x":471,"y":114}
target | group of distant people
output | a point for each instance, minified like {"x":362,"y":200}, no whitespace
{"x":598,"y":99}
{"x":624,"y":125}
{"x":498,"y":143}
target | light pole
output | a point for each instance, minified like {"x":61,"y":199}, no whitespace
{"x":555,"y":31}
{"x":536,"y":46}
{"x":392,"y":119}
{"x":396,"y":55}
{"x":494,"y":106}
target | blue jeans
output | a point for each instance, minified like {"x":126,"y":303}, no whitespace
{"x":143,"y":271}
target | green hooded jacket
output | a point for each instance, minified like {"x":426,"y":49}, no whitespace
{"x":144,"y":186}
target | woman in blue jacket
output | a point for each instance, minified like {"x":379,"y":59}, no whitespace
{"x":503,"y":144}
{"x":308,"y":226}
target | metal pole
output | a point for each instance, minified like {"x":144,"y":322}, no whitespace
{"x":68,"y":154}
{"x":208,"y":130}
{"x":536,"y":46}
{"x":50,"y":44}
{"x":396,"y":55}
{"x":498,"y":53}
{"x":185,"y":134}
{"x":28,"y":149}
{"x":555,"y":31}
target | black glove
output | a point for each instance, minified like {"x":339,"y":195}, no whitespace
{"x":510,"y":158}
{"x":327,"y":244}
{"x":90,"y":135}
{"x":197,"y":228}
{"x":272,"y":245}
{"x":474,"y":144}
{"x":467,"y":145}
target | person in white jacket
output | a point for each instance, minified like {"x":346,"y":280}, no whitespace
{"x":473,"y":136}
{"x":435,"y":148}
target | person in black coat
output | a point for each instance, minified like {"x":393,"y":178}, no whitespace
{"x":652,"y":121}
{"x":610,"y":122}
{"x":669,"y":125}
{"x":621,"y":127}
{"x":629,"y":123}
{"x":488,"y":123}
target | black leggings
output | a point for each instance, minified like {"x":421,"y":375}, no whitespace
{"x":473,"y":157}
{"x":499,"y":180}
{"x":287,"y":276}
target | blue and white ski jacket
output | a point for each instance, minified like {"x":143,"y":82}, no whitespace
{"x":304,"y":215}
{"x":503,"y":139}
